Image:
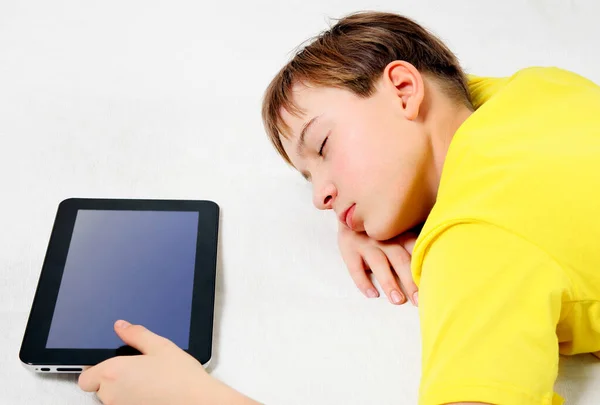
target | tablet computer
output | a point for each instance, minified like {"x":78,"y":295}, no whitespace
{"x":150,"y":262}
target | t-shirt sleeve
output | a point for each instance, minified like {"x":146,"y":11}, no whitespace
{"x":482,"y":89}
{"x":489,"y":304}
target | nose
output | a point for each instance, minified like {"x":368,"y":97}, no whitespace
{"x":324,"y":195}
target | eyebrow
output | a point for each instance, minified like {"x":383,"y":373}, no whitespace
{"x":305,"y":128}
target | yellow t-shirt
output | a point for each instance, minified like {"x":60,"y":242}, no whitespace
{"x":508,"y":262}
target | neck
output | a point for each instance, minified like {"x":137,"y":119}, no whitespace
{"x":445,"y":116}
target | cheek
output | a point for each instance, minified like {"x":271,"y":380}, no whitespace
{"x":347,"y":163}
{"x":341,"y":167}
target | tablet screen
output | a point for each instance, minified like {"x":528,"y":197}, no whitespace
{"x":132,"y":265}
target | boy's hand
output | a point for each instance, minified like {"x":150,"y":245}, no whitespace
{"x":163,"y":374}
{"x":383,"y":259}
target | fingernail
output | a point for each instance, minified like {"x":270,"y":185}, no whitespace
{"x":122,"y":324}
{"x":372,"y":293}
{"x":416,"y":299}
{"x":396,"y":297}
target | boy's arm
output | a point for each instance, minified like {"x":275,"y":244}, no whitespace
{"x":490,"y":302}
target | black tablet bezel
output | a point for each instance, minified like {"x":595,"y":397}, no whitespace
{"x":33,"y":348}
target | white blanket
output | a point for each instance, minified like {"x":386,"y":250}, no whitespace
{"x":162,"y":99}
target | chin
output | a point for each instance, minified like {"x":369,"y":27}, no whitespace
{"x":381,"y":233}
{"x":382,"y":229}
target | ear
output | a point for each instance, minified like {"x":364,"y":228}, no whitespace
{"x":407,"y":84}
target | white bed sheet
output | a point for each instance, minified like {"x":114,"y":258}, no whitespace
{"x":157,"y":99}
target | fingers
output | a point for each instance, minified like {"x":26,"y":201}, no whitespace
{"x":385,"y":259}
{"x":101,"y":378}
{"x":141,"y":338}
{"x":408,"y":240}
{"x":380,"y":266}
{"x":106,"y":395}
{"x":356,"y":267}
{"x":89,"y":380}
{"x":400,"y":260}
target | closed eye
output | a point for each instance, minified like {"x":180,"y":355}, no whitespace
{"x":323,"y":146}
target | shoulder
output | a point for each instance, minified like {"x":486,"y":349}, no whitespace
{"x":484,"y":88}
{"x":468,"y":248}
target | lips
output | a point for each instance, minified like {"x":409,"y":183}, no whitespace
{"x":347,"y":216}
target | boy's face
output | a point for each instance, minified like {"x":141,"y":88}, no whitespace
{"x":365,"y":157}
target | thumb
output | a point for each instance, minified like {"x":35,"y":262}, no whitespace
{"x":141,"y":338}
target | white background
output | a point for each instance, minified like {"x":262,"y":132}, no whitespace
{"x":156,"y":99}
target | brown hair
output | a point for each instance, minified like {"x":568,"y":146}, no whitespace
{"x":352,"y":55}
